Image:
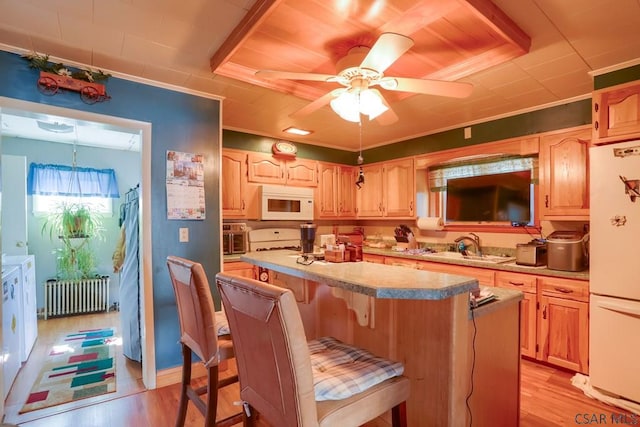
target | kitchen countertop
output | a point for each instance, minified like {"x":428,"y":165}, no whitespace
{"x":376,"y":280}
{"x":508,"y":266}
{"x":503,"y":297}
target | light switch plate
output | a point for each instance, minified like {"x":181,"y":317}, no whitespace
{"x":184,"y":234}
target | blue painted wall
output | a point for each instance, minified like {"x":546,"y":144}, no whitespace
{"x":179,"y":122}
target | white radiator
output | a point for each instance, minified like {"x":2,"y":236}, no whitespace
{"x":65,"y":297}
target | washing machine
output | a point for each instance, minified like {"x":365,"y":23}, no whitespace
{"x":10,"y":325}
{"x":28,"y":311}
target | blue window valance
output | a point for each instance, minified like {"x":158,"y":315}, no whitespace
{"x":61,"y":180}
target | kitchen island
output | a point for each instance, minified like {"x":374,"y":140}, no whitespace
{"x":462,"y":363}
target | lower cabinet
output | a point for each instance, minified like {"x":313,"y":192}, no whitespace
{"x":563,"y":323}
{"x":240,"y":268}
{"x":554,"y":314}
{"x":528,"y":316}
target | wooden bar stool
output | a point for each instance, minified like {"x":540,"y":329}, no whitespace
{"x":291,"y":382}
{"x":202,"y":335}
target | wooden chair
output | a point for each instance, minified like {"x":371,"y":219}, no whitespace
{"x":202,"y":335}
{"x":282,"y":375}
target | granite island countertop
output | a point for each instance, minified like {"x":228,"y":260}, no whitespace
{"x":376,"y":280}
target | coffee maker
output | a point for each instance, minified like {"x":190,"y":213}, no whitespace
{"x":307,"y":237}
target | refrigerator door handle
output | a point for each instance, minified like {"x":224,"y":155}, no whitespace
{"x":620,"y":308}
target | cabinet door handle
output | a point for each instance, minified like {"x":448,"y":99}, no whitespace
{"x":243,"y":206}
{"x":596,"y":107}
{"x":563,"y":290}
{"x":596,"y":125}
{"x":544,"y":312}
{"x":516,"y":283}
{"x":546,"y":200}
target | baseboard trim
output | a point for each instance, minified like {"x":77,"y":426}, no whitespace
{"x":170,"y":376}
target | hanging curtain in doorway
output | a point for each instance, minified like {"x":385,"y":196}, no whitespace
{"x":130,"y":279}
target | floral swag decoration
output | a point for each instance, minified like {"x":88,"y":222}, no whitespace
{"x":41,"y":62}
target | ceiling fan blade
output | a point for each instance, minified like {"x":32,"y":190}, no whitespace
{"x":317,"y":104}
{"x":271,"y":74}
{"x":387,"y":49}
{"x":389,"y":117}
{"x":430,"y":87}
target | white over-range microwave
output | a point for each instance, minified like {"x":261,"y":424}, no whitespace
{"x":278,"y":202}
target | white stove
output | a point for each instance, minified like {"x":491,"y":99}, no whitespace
{"x":269,"y":239}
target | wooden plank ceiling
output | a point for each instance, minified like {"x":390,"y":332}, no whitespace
{"x":453,"y":39}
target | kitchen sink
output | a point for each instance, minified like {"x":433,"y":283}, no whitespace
{"x":491,"y":259}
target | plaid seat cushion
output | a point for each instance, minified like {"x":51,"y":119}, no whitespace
{"x":222,"y":324}
{"x":341,"y":370}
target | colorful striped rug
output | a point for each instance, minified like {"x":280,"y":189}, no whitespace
{"x":82,"y":365}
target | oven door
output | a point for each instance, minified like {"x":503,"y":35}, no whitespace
{"x":238,"y":242}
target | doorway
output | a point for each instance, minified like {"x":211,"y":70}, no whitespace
{"x":103,"y":123}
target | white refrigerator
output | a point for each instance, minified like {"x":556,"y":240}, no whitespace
{"x":614,"y":272}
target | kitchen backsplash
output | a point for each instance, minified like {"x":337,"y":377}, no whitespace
{"x":384,"y":230}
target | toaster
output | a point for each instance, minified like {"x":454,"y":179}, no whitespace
{"x":533,"y":254}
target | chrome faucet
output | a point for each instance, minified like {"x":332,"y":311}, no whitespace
{"x":462,"y":248}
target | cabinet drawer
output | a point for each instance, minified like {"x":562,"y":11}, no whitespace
{"x":485,"y":277}
{"x":577,"y":290}
{"x":401,"y":262}
{"x":377,"y":259}
{"x":517,"y":281}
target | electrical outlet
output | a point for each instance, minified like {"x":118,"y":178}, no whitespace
{"x":184,"y":235}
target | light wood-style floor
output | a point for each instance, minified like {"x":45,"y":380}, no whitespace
{"x":547,"y":396}
{"x":128,"y":373}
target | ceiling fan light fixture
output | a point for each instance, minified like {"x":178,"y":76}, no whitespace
{"x":350,"y":104}
{"x":55,"y":127}
{"x":371,"y":104}
{"x":346,"y":106}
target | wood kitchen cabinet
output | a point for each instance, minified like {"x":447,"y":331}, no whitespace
{"x":616,"y":113}
{"x":564,"y":175}
{"x":376,"y":259}
{"x":336,"y":193}
{"x":234,"y":177}
{"x":553,"y":314}
{"x":528,"y":315}
{"x":264,"y":168}
{"x":240,"y":268}
{"x":484,"y":276}
{"x":563,"y":323}
{"x":389,"y":190}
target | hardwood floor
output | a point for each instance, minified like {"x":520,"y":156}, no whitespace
{"x":128,"y":373}
{"x":547,"y":396}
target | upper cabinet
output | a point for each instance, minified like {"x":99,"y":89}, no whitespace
{"x":389,"y":190}
{"x":616,"y":113}
{"x":264,"y":168}
{"x":336,"y":193}
{"x":564,"y":175}
{"x":234,"y":177}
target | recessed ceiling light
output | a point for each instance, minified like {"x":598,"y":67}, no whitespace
{"x":297,"y":131}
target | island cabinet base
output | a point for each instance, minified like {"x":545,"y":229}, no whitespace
{"x":435,"y":341}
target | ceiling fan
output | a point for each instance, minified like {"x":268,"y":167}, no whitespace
{"x":363,"y":68}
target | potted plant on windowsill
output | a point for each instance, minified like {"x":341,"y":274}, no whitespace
{"x":75,"y":225}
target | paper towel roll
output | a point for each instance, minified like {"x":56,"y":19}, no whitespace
{"x":430,"y":223}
